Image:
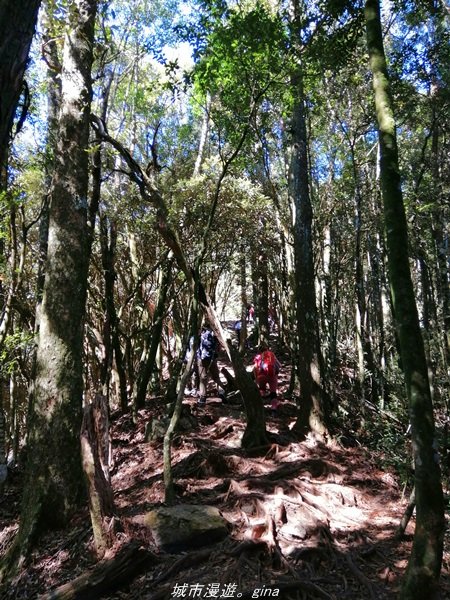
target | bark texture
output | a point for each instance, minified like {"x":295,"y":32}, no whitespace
{"x":312,"y":414}
{"x":107,"y":576}
{"x":421,"y":580}
{"x":54,"y":485}
{"x":17,"y":24}
{"x":96,"y":450}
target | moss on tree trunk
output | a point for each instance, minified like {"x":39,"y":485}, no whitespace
{"x":308,"y":364}
{"x":54,"y":485}
{"x":421,"y":579}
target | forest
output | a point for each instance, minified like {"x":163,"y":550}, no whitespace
{"x":177,"y":166}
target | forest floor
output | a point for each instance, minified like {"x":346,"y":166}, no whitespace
{"x":306,"y":520}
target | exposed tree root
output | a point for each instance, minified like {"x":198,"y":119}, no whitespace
{"x":106,"y":576}
{"x":189,"y":560}
{"x":407,"y":515}
{"x":361,"y":577}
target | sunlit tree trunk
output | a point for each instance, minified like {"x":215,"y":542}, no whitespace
{"x":378,"y":315}
{"x":54,"y":485}
{"x":366,"y":362}
{"x":262,"y":305}
{"x":203,"y":137}
{"x":50,"y":53}
{"x":422,"y":575}
{"x":244,"y":299}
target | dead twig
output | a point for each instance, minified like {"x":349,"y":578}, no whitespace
{"x":361,"y":577}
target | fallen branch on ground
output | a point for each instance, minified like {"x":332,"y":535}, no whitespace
{"x":106,"y":576}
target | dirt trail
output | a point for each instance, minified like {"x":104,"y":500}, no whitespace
{"x":317,"y":520}
{"x":306,"y":520}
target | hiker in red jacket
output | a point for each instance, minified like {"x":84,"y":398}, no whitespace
{"x":266,"y":369}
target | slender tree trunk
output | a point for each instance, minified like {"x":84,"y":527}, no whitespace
{"x":16,"y":265}
{"x":365,"y":353}
{"x":53,"y":76}
{"x":154,"y":341}
{"x":442,"y":243}
{"x":378,"y":284}
{"x":185,"y":372}
{"x":113,"y":348}
{"x":244,"y":299}
{"x":422,"y":575}
{"x":203,"y":136}
{"x":54,"y":485}
{"x":3,"y":465}
{"x":255,"y":294}
{"x":14,"y":427}
{"x":262,"y":306}
{"x":312,"y":415}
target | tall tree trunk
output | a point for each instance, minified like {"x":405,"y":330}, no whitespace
{"x":17,"y":24}
{"x":422,"y":575}
{"x":366,"y":361}
{"x":50,"y":23}
{"x":54,"y":485}
{"x":312,"y":415}
{"x":378,"y":285}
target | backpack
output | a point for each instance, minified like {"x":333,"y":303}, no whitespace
{"x":207,"y":345}
{"x":266,"y":363}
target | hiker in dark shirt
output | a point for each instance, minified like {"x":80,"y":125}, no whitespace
{"x":207,"y":363}
{"x":238,"y":329}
